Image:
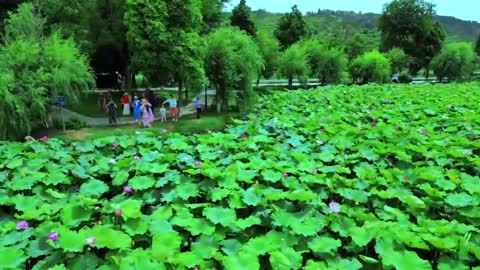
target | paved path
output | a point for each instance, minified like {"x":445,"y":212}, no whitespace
{"x":96,"y":122}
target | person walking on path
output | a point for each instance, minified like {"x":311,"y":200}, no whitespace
{"x":147,"y":113}
{"x":172,"y":101}
{"x":163,"y":114}
{"x":126,"y":104}
{"x":137,"y":111}
{"x":151,"y":99}
{"x":198,"y":107}
{"x":112,"y":111}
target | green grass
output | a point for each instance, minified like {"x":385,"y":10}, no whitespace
{"x":186,"y":125}
{"x":88,"y":103}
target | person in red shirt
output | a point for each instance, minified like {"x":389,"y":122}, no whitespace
{"x":126,"y":104}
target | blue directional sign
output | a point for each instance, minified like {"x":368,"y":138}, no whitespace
{"x":61,"y":101}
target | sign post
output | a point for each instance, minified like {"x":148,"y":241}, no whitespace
{"x":206,"y":104}
{"x":61,"y":102}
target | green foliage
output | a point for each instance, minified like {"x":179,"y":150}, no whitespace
{"x":411,"y":26}
{"x":294,"y":64}
{"x":291,"y":28}
{"x":270,"y":51}
{"x":477,"y":46}
{"x":211,"y":14}
{"x":242,"y":18}
{"x":232,"y":60}
{"x":399,"y":61}
{"x":455,"y":61}
{"x":34,"y":69}
{"x":418,"y":160}
{"x":70,"y":124}
{"x":370,"y":67}
{"x":327,"y":64}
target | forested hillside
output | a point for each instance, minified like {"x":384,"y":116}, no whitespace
{"x":341,"y":23}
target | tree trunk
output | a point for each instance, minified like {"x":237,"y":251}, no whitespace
{"x":128,"y":77}
{"x":134,"y":81}
{"x":290,"y":82}
{"x":427,"y":72}
{"x":180,"y":89}
{"x":186,"y":94}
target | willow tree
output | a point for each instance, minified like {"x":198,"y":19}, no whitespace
{"x":232,"y":60}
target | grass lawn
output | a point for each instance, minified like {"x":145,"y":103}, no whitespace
{"x":88,"y":103}
{"x":186,"y":125}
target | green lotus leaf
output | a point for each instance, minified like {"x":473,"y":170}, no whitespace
{"x":141,"y":182}
{"x":218,"y":215}
{"x":93,"y":188}
{"x":166,"y":245}
{"x":324,"y":244}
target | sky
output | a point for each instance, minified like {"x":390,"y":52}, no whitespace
{"x":462,"y":9}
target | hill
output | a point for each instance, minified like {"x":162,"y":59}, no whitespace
{"x":346,"y":22}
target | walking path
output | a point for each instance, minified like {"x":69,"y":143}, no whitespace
{"x":96,"y":122}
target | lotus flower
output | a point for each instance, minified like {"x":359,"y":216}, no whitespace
{"x":127,"y":189}
{"x":53,"y":236}
{"x":245,"y":135}
{"x":29,"y":139}
{"x":118,"y":212}
{"x":164,"y":130}
{"x":335,"y":207}
{"x":322,"y":130}
{"x":320,"y":142}
{"x":45,"y":138}
{"x":314,"y":171}
{"x":112,"y":161}
{"x":467,"y":152}
{"x":397,"y":127}
{"x":114,"y":145}
{"x":90,"y":241}
{"x":425,"y":132}
{"x":198,"y":163}
{"x":22,"y":225}
{"x":285,"y":175}
{"x":471,"y":138}
{"x":405,"y":178}
{"x":136,"y":158}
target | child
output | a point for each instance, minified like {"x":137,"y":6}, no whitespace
{"x":126,"y":104}
{"x":163,"y":114}
{"x":137,"y":111}
{"x":173,"y":107}
{"x":112,"y":111}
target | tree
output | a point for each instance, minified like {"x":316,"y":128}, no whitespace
{"x":455,"y":61}
{"x":211,"y":14}
{"x":164,"y":36}
{"x":327,"y":64}
{"x":410,"y":25}
{"x":398,"y":60}
{"x":35,"y":67}
{"x":242,"y":18}
{"x":477,"y":46}
{"x":232,"y":60}
{"x":270,"y":51}
{"x":291,"y":28}
{"x":370,"y":67}
{"x":294,"y":63}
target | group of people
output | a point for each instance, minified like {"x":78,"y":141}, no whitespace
{"x":143,"y":110}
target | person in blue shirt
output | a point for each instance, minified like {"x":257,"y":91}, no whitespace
{"x":198,"y":107}
{"x":172,"y":101}
{"x":137,"y":111}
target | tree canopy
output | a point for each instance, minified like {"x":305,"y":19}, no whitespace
{"x":398,"y":60}
{"x":371,"y":67}
{"x":34,"y":68}
{"x":477,"y":46}
{"x":410,"y":25}
{"x":270,"y":51}
{"x":455,"y":61}
{"x":294,"y":64}
{"x":242,"y":18}
{"x":291,"y":28}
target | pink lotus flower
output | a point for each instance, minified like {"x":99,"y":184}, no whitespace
{"x":425,"y":132}
{"x":335,"y":207}
{"x":53,"y":236}
{"x":245,"y":135}
{"x":471,"y":138}
{"x":45,"y":138}
{"x":118,"y":212}
{"x":374,"y":124}
{"x":164,"y":130}
{"x":136,"y":158}
{"x":114,"y":145}
{"x":314,"y":171}
{"x":404,"y":178}
{"x":322,"y":130}
{"x":90,"y":241}
{"x":285,"y":175}
{"x":22,"y":225}
{"x":397,"y":127}
{"x":127,"y":189}
{"x":29,"y":139}
{"x":198,"y":163}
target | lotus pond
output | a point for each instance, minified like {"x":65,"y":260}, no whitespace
{"x":373,"y":177}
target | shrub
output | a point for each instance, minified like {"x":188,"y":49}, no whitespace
{"x":370,"y":67}
{"x":399,"y":61}
{"x":455,"y":61}
{"x":294,"y":63}
{"x":70,"y":123}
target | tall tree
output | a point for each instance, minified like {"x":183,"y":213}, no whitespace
{"x":398,"y":60}
{"x":34,"y":67}
{"x":291,"y":28}
{"x":232,"y":60}
{"x":477,"y":46}
{"x":164,"y":36}
{"x":270,"y":51}
{"x":455,"y":61}
{"x":242,"y":18}
{"x":211,"y":14}
{"x":294,"y":63}
{"x":410,"y":25}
